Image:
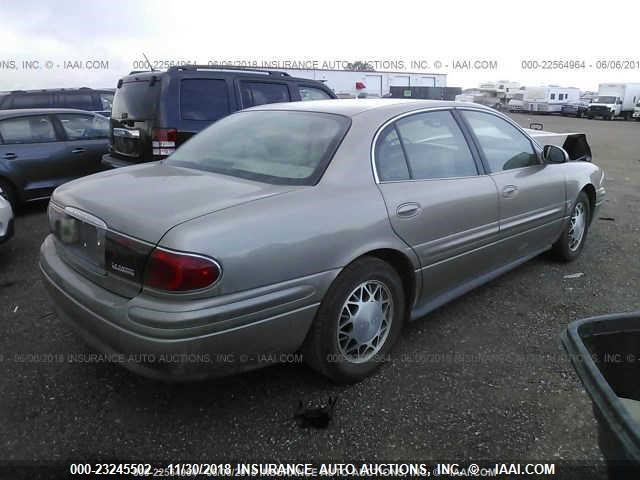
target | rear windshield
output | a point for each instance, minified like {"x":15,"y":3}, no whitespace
{"x":135,"y":99}
{"x":281,"y":147}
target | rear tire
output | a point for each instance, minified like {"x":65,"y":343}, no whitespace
{"x":571,"y":242}
{"x":8,"y":192}
{"x":358,"y":322}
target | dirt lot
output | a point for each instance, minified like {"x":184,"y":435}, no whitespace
{"x":481,"y":378}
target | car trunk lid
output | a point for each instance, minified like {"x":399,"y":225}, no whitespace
{"x":107,"y":224}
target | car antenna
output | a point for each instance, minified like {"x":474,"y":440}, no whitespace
{"x":147,"y":59}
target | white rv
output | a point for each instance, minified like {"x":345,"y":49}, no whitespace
{"x":503,"y":88}
{"x":481,"y":96}
{"x":614,"y":100}
{"x":548,"y":99}
{"x":359,"y":84}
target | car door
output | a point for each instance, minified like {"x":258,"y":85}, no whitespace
{"x":532,"y":193}
{"x":439,"y":200}
{"x":86,"y":140}
{"x":32,"y":154}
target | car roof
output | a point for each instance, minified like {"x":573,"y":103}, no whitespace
{"x":143,"y":75}
{"x":55,"y":90}
{"x":24,"y":112}
{"x":353,"y":107}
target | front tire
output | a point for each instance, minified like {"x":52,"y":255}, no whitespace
{"x":358,"y":322}
{"x":571,"y":242}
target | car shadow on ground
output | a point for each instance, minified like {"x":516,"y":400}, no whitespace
{"x":287,"y":381}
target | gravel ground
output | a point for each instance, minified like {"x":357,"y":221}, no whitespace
{"x":481,"y":378}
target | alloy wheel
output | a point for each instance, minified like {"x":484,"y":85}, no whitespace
{"x":578,"y":226}
{"x":365,"y":321}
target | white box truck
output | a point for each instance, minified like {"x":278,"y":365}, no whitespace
{"x":614,"y":100}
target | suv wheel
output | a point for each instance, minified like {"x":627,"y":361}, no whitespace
{"x":571,"y":242}
{"x":358,"y":321}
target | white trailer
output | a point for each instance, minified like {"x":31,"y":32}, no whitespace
{"x":503,"y":88}
{"x":360,"y":84}
{"x":614,"y":100}
{"x":548,"y":99}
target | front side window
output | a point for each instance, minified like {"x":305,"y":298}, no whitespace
{"x":503,"y":145}
{"x":312,"y":93}
{"x":260,"y":93}
{"x":84,"y":127}
{"x":35,"y":129}
{"x":282,"y":147}
{"x":204,"y":99}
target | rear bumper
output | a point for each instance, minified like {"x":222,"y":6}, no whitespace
{"x":110,"y":162}
{"x":239,"y":332}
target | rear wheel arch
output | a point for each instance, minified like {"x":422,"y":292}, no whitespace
{"x":403,"y":267}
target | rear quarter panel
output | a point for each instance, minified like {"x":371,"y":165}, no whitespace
{"x":303,"y":232}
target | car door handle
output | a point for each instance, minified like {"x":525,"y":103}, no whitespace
{"x":509,"y":191}
{"x":78,"y":150}
{"x":9,"y":156}
{"x":409,"y":209}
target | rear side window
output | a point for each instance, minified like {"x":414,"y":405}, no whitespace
{"x":80,"y":101}
{"x":84,"y":127}
{"x":35,"y":129}
{"x":390,"y":161}
{"x":259,"y":93}
{"x":204,"y":99}
{"x":435,"y":146}
{"x":34,"y":100}
{"x":313,"y":93}
{"x":503,"y":145}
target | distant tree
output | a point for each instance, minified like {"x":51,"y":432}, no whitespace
{"x":360,"y":66}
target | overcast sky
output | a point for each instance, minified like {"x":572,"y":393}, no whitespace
{"x":119,"y":31}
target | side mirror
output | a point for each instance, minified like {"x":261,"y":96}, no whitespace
{"x":554,"y":154}
{"x":536,"y":126}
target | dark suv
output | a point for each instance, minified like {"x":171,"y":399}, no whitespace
{"x":155,"y":112}
{"x":84,"y":98}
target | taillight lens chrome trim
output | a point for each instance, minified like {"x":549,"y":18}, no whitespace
{"x":184,"y":278}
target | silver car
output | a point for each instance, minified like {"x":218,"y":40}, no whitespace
{"x":315,"y":227}
{"x":6,"y":219}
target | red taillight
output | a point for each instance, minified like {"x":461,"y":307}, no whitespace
{"x":180,"y":272}
{"x":163,"y":141}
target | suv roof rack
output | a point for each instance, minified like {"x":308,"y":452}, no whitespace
{"x":227,"y":67}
